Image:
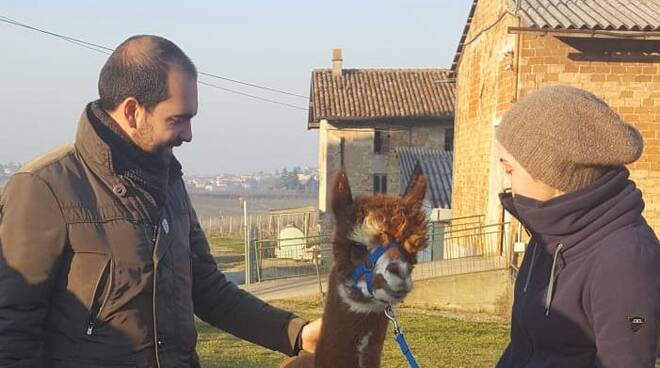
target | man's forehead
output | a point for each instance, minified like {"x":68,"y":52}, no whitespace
{"x":183,"y":94}
{"x":178,"y":106}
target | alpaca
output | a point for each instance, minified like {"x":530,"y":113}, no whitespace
{"x":354,"y":322}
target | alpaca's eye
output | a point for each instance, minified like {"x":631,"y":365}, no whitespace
{"x":358,"y":248}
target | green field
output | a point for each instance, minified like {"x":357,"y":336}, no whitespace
{"x":436,"y":341}
{"x":228,"y":253}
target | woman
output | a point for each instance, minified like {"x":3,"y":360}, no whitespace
{"x":588,"y":290}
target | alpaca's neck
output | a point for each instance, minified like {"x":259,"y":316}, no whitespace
{"x":349,"y":339}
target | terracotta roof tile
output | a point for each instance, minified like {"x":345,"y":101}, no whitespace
{"x":365,"y":94}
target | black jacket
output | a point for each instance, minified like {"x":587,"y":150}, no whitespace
{"x":103,"y":264}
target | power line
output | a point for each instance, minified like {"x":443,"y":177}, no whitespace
{"x":107,"y":50}
{"x":253,"y":85}
{"x":75,"y":41}
{"x":499,"y":19}
{"x":252,"y":96}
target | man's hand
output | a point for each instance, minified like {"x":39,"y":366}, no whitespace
{"x":310,"y":335}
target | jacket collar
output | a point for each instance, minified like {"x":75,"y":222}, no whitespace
{"x":579,"y":219}
{"x":113,"y":157}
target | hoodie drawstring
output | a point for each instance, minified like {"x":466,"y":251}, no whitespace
{"x":531,"y":268}
{"x":551,"y":283}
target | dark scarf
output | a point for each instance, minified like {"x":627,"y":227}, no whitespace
{"x":573,"y":224}
{"x":147,"y":172}
{"x":579,"y":219}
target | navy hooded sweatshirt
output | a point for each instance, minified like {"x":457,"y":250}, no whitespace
{"x":588,"y":291}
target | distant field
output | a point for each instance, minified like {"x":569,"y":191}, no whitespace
{"x":227,"y":204}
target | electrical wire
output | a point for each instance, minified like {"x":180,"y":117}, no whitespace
{"x":107,"y":51}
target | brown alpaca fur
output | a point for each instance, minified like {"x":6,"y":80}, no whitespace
{"x":354,"y":338}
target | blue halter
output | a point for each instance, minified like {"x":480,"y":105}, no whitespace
{"x":366,"y":269}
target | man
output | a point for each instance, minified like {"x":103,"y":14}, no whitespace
{"x":102,"y":259}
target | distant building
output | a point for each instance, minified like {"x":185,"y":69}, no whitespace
{"x":365,"y":115}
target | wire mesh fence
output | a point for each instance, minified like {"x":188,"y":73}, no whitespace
{"x":292,"y":257}
{"x":464,"y":250}
{"x":453,"y":248}
{"x":267,"y":223}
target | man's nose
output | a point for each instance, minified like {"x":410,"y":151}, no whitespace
{"x":186,"y":132}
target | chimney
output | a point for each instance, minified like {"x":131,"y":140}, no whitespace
{"x":336,"y":62}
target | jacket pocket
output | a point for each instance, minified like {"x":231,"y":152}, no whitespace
{"x":82,"y":281}
{"x":100,"y":295}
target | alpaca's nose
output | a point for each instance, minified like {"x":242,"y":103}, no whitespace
{"x":395,"y":269}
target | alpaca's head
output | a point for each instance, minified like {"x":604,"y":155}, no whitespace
{"x":364,"y":224}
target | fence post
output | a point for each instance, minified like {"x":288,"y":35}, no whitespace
{"x":306,"y":225}
{"x":316,"y":254}
{"x":247,"y":245}
{"x":256,"y":264}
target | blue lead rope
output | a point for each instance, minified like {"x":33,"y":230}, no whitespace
{"x":398,"y":335}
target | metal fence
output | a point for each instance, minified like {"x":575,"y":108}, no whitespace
{"x":267,"y":223}
{"x":465,"y":250}
{"x":453,"y":248}
{"x":293,"y":257}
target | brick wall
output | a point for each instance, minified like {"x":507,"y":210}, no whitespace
{"x":485,"y":89}
{"x":629,"y":84}
{"x":498,"y":67}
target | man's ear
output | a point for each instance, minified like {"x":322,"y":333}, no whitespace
{"x":342,"y":199}
{"x":131,"y":111}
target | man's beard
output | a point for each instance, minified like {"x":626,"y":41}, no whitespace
{"x":144,"y":137}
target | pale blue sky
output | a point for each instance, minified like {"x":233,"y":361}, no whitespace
{"x":46,"y":81}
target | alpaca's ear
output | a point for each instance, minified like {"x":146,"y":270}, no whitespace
{"x":415,"y":196}
{"x":342,"y":199}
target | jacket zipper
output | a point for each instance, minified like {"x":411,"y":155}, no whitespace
{"x":96,"y":308}
{"x":154,"y":242}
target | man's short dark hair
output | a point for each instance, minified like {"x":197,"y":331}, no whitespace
{"x":138,"y":68}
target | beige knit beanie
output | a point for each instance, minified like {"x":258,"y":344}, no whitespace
{"x":567,"y":137}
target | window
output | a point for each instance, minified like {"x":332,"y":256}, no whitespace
{"x":381,"y":141}
{"x":380,"y":183}
{"x":342,"y":146}
{"x":449,"y":139}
